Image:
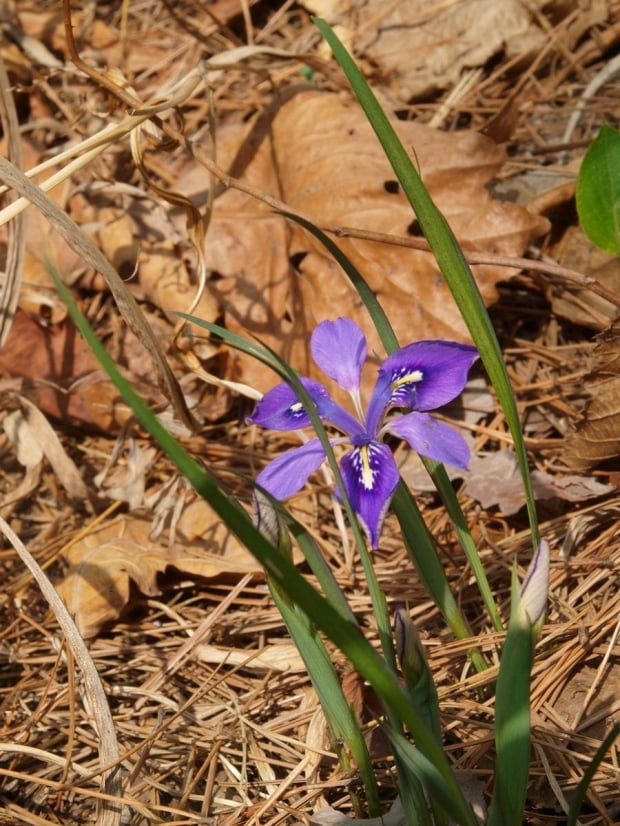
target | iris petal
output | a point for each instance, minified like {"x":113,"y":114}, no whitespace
{"x":339,"y":349}
{"x":370,"y":477}
{"x":426,"y":375}
{"x":280,"y":409}
{"x":431,"y":438}
{"x":288,"y":473}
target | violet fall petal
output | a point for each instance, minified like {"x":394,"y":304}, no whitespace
{"x":288,"y":473}
{"x":426,"y":375}
{"x":339,"y":349}
{"x":280,"y":409}
{"x":431,"y":438}
{"x":370,"y":477}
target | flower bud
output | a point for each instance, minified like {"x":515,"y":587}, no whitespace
{"x":533,"y":593}
{"x":266,"y":519}
{"x":408,"y":647}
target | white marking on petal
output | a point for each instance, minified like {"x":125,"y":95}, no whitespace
{"x":410,"y":377}
{"x":362,"y":461}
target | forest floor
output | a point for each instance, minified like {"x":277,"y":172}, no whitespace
{"x":175,"y":129}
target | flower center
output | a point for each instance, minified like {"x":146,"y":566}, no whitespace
{"x":296,"y":411}
{"x":364,"y":462}
{"x":402,"y":386}
{"x":405,"y":377}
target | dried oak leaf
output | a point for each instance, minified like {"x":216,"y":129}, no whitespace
{"x":576,"y":252}
{"x":496,"y":480}
{"x":596,"y":437}
{"x":96,"y":587}
{"x":62,"y":377}
{"x":322,"y":158}
{"x":421,"y":46}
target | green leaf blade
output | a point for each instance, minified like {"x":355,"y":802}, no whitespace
{"x":598,"y":191}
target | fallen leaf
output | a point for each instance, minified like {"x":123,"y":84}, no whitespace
{"x":96,"y":586}
{"x":496,"y":480}
{"x":596,"y":437}
{"x":275,"y":281}
{"x":27,"y":449}
{"x":576,"y":252}
{"x":29,"y":455}
{"x":126,"y":482}
{"x":63,"y":466}
{"x":421,"y":46}
{"x":63,"y":379}
{"x":275,"y":657}
{"x":570,"y":701}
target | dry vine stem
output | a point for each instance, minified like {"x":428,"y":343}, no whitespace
{"x":109,"y":810}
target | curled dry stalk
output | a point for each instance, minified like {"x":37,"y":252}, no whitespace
{"x":11,"y":286}
{"x":109,"y":813}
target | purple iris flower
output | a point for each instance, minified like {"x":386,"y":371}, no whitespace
{"x":420,"y":377}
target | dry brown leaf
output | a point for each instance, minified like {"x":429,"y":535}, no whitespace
{"x":61,"y":376}
{"x":276,"y":657}
{"x":63,"y":466}
{"x":165,"y":281}
{"x":576,"y":252}
{"x":496,"y":480}
{"x":27,"y":449}
{"x":597,"y":437}
{"x":126,"y":481}
{"x":97,"y":583}
{"x":322,"y":158}
{"x":28,"y":454}
{"x":420,"y":46}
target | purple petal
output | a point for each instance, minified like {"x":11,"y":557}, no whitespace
{"x":332,"y":412}
{"x":426,"y":375}
{"x":378,"y":404}
{"x":339,"y":349}
{"x":431,"y":438}
{"x":280,"y":409}
{"x":287,"y":474}
{"x":370,"y":477}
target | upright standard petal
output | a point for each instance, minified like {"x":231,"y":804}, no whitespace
{"x":280,"y":409}
{"x":287,"y":474}
{"x":339,"y":349}
{"x":431,"y":438}
{"x":426,"y":374}
{"x":370,"y":477}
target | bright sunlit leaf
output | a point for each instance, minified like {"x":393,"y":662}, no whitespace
{"x":598,"y":190}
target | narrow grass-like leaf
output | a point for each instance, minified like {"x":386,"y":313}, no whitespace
{"x":448,"y":254}
{"x":443,"y":484}
{"x":421,"y":549}
{"x":412,"y":761}
{"x":338,"y":712}
{"x":432,"y":766}
{"x":598,"y":190}
{"x":582,"y":789}
{"x":512,"y":720}
{"x":413,"y":798}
